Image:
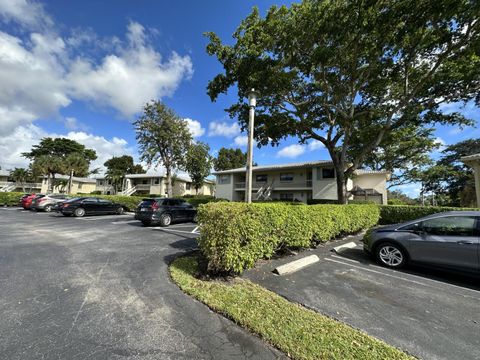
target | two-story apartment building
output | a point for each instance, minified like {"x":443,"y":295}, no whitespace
{"x":300,"y":182}
{"x":8,"y":184}
{"x":156,"y":183}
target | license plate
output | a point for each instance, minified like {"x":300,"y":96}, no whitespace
{"x":143,"y":209}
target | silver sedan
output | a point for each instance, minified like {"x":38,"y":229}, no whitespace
{"x":449,"y":239}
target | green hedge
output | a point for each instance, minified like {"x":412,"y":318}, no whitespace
{"x":235,"y":235}
{"x":10,"y":198}
{"x":393,"y":214}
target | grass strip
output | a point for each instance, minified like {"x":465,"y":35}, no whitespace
{"x":299,"y":332}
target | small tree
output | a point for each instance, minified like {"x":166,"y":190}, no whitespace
{"x":118,"y":167}
{"x":20,"y":176}
{"x":198,"y":164}
{"x":229,"y":159}
{"x":163,"y":138}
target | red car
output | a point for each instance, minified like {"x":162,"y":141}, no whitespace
{"x":27,"y":201}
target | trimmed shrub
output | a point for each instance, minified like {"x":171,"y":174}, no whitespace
{"x":10,"y":198}
{"x":393,"y":214}
{"x":235,"y":235}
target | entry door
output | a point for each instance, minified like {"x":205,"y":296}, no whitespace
{"x":448,"y":240}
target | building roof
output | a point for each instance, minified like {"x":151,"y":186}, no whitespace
{"x":4,"y":172}
{"x":470,"y":158}
{"x":277,"y":167}
{"x":74,"y":178}
{"x":182,"y":177}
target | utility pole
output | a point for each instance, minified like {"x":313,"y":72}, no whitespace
{"x":252,"y":102}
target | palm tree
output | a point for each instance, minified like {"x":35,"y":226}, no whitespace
{"x":20,"y":176}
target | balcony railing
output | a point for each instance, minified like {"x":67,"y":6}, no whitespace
{"x":19,"y":185}
{"x":277,"y":185}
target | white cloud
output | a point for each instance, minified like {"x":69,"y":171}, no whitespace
{"x":315,"y":145}
{"x":441,"y":143}
{"x":127,"y":80}
{"x":39,"y":76}
{"x":29,"y":14}
{"x":72,"y":123}
{"x":241,"y":140}
{"x":223,"y":129}
{"x":291,"y":151}
{"x":24,"y":137}
{"x":412,"y":190}
{"x":195,"y":127}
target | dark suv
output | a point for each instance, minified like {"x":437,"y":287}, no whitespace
{"x":164,"y":211}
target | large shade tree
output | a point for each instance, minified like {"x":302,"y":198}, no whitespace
{"x":163,"y":138}
{"x":60,"y":156}
{"x":348,"y":73}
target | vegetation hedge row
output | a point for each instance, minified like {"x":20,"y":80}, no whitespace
{"x":393,"y":214}
{"x":235,"y":235}
{"x":10,"y":198}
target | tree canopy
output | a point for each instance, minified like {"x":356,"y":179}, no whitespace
{"x":348,"y":73}
{"x":60,"y":156}
{"x":163,"y":139}
{"x":450,"y":177}
{"x":198,"y":164}
{"x":118,"y":167}
{"x":229,"y":159}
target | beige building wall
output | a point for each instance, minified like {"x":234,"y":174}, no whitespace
{"x":377,"y":182}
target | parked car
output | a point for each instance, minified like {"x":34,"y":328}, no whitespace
{"x":449,"y":240}
{"x":48,"y":202}
{"x":164,"y":211}
{"x":90,"y":206}
{"x":24,"y":196}
{"x":27,"y":201}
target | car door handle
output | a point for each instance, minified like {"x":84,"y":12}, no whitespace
{"x":464,"y":242}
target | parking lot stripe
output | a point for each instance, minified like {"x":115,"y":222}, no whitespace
{"x":168,"y":230}
{"x":407,"y":279}
{"x":340,"y":248}
{"x":195,"y":230}
{"x":124,"y":222}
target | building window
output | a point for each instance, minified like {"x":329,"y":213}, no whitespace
{"x":261,"y":178}
{"x":286,"y":196}
{"x":325,"y":173}
{"x":100,"y":183}
{"x":79,"y":186}
{"x":287,"y":177}
{"x":156,"y":181}
{"x":145,"y":182}
{"x":224,"y":179}
{"x":188,"y":186}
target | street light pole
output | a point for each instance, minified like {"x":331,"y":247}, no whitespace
{"x":252,"y":102}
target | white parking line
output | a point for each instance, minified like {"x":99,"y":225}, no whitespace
{"x":169,"y":230}
{"x":343,"y":247}
{"x":384,"y":272}
{"x":125,"y":222}
{"x":194,"y":231}
{"x":103,"y":217}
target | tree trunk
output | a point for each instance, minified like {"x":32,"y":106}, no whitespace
{"x":52,"y":185}
{"x":341,"y":186}
{"x":169,"y":183}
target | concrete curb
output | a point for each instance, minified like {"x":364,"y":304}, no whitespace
{"x":296,"y":265}
{"x":340,"y":248}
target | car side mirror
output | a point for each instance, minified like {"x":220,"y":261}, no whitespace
{"x":417,"y":229}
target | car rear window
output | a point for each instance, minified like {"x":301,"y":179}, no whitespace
{"x":150,"y":202}
{"x":72,"y":200}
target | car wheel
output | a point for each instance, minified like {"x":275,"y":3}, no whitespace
{"x":79,"y":212}
{"x":391,"y":255}
{"x":120,"y":210}
{"x":48,"y":208}
{"x":165,"y":220}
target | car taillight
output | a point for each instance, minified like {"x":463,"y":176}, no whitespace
{"x":41,"y":200}
{"x":65,"y":205}
{"x":155,"y":206}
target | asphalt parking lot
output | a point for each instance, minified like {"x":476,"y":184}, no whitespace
{"x":429,"y":313}
{"x":98,"y":288}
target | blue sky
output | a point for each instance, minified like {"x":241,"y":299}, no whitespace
{"x":83,"y":69}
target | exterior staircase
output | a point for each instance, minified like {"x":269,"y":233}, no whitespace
{"x":129,"y":192}
{"x":8,"y":187}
